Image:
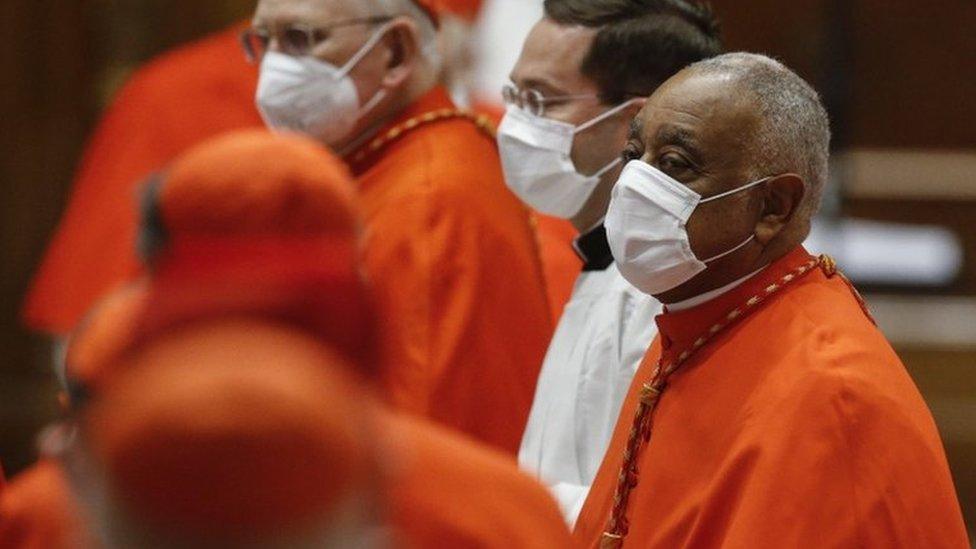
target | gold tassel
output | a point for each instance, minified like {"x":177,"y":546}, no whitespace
{"x":611,"y":541}
{"x":649,"y":395}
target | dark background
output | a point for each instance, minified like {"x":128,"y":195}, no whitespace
{"x":896,"y":75}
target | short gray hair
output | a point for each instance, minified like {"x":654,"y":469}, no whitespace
{"x":794,"y":133}
{"x":410,"y":8}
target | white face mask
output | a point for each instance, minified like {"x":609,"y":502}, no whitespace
{"x":536,"y":158}
{"x":646,"y":228}
{"x":307,"y":95}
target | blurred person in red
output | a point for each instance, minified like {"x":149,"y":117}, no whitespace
{"x":250,"y":191}
{"x":231,"y":234}
{"x":451,"y":252}
{"x":445,"y":224}
{"x":182,"y":97}
{"x":196,"y":91}
{"x":236,"y":432}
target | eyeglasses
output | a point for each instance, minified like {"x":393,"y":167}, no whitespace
{"x":533,"y":101}
{"x":296,"y":39}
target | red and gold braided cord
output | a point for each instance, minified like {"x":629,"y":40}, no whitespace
{"x":483,"y":123}
{"x":640,"y":435}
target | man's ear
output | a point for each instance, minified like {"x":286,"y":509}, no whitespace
{"x":782,"y":197}
{"x":635,"y":106}
{"x":402,"y":41}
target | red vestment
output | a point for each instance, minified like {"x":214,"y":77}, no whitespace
{"x":796,"y":426}
{"x":459,"y":282}
{"x":185,"y":96}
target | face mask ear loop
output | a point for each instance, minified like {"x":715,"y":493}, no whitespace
{"x":587,"y":125}
{"x":371,"y":104}
{"x":737,"y":190}
{"x":732,"y":251}
{"x":363,"y":51}
{"x":607,"y":168}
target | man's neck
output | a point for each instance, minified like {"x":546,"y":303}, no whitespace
{"x":710,"y":295}
{"x":403,"y":99}
{"x":728,"y":270}
{"x":595,"y":209}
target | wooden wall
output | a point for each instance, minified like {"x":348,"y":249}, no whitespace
{"x":899,"y":73}
{"x":46,"y":108}
{"x":60,"y":63}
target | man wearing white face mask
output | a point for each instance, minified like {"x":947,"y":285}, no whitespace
{"x":450,"y":252}
{"x":770,"y":411}
{"x":582,"y":75}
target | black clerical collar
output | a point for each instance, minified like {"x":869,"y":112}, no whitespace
{"x":592,"y":247}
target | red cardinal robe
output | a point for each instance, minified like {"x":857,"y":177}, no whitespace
{"x":458,"y":277}
{"x":430,"y":500}
{"x":38,"y":511}
{"x":795,"y":426}
{"x":181,"y":98}
{"x":559,"y":260}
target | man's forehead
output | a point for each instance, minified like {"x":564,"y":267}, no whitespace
{"x":553,"y":54}
{"x":313,"y":12}
{"x":695,"y":103}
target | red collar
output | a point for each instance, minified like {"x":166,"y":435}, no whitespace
{"x":680,"y":329}
{"x":435,"y":99}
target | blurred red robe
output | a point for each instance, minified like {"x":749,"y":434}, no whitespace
{"x":559,"y":260}
{"x":37,"y":511}
{"x":458,"y":276}
{"x":183,"y":97}
{"x":429,"y":496}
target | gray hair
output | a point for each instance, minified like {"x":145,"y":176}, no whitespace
{"x":428,"y":32}
{"x":794,"y":133}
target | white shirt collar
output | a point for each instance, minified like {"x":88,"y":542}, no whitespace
{"x":710,"y":295}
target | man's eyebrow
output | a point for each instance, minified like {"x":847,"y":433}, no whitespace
{"x":636,"y":129}
{"x":682,"y":137}
{"x":542,"y":85}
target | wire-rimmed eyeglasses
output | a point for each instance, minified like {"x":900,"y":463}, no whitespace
{"x":533,"y":101}
{"x":296,"y":39}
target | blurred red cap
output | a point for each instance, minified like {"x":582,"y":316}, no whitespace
{"x":229,"y":429}
{"x":250,"y":223}
{"x":465,"y":9}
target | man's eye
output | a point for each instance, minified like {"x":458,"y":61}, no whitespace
{"x":631,"y":152}
{"x":673,"y":164}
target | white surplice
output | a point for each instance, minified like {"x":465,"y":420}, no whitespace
{"x":601,"y":339}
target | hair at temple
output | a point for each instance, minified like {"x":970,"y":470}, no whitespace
{"x":794,"y":131}
{"x":639,"y":43}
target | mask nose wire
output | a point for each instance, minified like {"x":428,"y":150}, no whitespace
{"x":603,"y":171}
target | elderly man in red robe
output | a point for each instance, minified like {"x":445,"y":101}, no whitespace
{"x":454,"y":255}
{"x":178,"y":99}
{"x":451,"y":252}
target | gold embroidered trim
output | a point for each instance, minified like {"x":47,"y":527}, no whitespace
{"x":483,"y":123}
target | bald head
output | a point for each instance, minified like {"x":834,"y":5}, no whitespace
{"x":792,"y":134}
